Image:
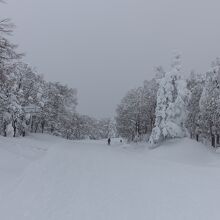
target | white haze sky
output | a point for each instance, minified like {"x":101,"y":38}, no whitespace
{"x":106,"y":47}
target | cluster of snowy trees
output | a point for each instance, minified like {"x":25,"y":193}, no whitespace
{"x":86,"y":127}
{"x":204,"y":107}
{"x":135,"y":115}
{"x":30,"y":104}
{"x":171,"y":106}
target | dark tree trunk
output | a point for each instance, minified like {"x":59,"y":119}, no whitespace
{"x":217,"y":139}
{"x":51,"y":129}
{"x":213,"y":140}
{"x":145,"y":129}
{"x":42,"y":127}
{"x":151,"y":124}
{"x":14,"y":121}
{"x":32,"y":125}
{"x":36,"y":127}
{"x":4,"y":129}
{"x":14,"y":135}
{"x":197,"y":137}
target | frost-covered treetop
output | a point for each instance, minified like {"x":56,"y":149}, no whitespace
{"x":176,"y":63}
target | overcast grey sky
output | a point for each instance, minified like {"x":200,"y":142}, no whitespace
{"x":106,"y":47}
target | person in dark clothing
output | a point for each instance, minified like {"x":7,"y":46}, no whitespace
{"x":109,"y":141}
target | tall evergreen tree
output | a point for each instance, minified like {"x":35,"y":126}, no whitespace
{"x":171,"y":110}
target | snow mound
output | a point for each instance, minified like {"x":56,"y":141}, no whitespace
{"x":186,"y":151}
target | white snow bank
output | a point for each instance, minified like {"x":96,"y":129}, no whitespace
{"x":186,"y":151}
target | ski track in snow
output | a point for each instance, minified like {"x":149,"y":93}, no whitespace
{"x":49,"y":178}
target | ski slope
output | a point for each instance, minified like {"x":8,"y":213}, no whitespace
{"x":49,"y":178}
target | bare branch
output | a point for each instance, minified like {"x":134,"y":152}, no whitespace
{"x":6,"y":26}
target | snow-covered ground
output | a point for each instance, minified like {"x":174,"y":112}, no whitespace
{"x":49,"y":178}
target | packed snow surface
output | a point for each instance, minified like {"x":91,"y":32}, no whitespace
{"x":49,"y":178}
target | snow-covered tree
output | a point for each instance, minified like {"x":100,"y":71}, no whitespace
{"x":106,"y":127}
{"x":149,"y":102}
{"x":135,"y":114}
{"x":11,"y":108}
{"x":59,"y":101}
{"x":210,"y":102}
{"x":128,"y":112}
{"x":195,"y":84}
{"x":171,"y":109}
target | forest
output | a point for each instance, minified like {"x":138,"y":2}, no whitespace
{"x":172,"y":106}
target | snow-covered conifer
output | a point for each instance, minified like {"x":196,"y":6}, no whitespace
{"x":171,"y":109}
{"x":209,"y":102}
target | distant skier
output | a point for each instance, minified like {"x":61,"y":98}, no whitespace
{"x":109,"y":141}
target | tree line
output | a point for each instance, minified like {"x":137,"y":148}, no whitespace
{"x":28,"y":103}
{"x":172,"y":105}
